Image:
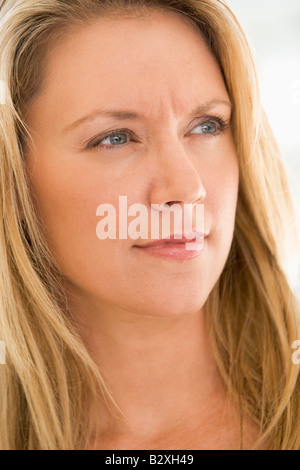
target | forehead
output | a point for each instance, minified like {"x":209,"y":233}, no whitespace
{"x":158,"y":61}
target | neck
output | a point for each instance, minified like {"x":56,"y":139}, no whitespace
{"x":160,"y":370}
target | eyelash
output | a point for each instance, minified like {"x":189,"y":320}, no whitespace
{"x":97,"y":144}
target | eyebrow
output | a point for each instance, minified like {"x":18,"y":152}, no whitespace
{"x":123,"y":115}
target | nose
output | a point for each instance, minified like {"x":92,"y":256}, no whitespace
{"x":176,"y":180}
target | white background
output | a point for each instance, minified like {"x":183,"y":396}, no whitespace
{"x":273,"y":30}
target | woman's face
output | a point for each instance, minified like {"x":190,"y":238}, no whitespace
{"x":173,"y":148}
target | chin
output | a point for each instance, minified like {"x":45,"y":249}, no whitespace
{"x":175,"y":307}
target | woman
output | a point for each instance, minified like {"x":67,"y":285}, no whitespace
{"x":113,"y":343}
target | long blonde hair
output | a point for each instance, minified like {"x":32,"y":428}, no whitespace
{"x":252,"y":311}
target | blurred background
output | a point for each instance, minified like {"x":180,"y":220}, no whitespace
{"x":273,"y":30}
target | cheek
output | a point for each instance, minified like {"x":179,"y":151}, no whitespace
{"x":222,"y":194}
{"x":222,"y":180}
{"x":66,"y":202}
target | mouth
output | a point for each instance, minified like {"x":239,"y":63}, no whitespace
{"x":175,"y":248}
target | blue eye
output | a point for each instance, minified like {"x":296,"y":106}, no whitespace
{"x":208,"y":127}
{"x":115,"y":140}
{"x":112,"y":140}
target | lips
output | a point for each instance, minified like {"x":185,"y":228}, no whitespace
{"x":175,"y":249}
{"x":196,"y":236}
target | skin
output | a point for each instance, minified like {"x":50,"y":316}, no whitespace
{"x":141,"y":317}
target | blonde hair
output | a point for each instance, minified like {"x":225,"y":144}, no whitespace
{"x":252,"y":311}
